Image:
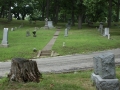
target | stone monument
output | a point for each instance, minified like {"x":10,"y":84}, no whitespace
{"x":5,"y":38}
{"x":50,"y":24}
{"x":104,"y":76}
{"x":66,"y":32}
{"x":101,"y":28}
{"x":46,"y":24}
{"x":106,"y":32}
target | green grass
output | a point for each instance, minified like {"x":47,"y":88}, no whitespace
{"x":80,"y":41}
{"x":65,"y":81}
{"x":86,"y":40}
{"x":69,"y":81}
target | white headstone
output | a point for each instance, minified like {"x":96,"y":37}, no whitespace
{"x":5,"y":38}
{"x":50,"y":24}
{"x":106,"y":32}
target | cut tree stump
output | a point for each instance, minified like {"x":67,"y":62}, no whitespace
{"x":23,"y":70}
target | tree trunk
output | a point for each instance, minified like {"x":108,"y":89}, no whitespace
{"x":109,"y":13}
{"x":117,"y":11}
{"x":73,"y":19}
{"x":23,"y":70}
{"x":56,"y":12}
{"x":47,"y":8}
{"x":79,"y":21}
{"x":9,"y":13}
{"x":2,"y":12}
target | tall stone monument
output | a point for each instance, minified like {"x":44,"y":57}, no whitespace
{"x":5,"y":38}
{"x":104,"y":76}
{"x":46,"y":24}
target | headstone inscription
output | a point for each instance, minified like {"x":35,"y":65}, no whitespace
{"x":104,"y":76}
{"x":5,"y":38}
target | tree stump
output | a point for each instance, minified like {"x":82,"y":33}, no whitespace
{"x":23,"y":70}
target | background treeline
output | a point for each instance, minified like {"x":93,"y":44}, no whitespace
{"x":61,"y":10}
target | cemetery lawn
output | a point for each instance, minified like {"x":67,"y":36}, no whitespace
{"x":64,"y":81}
{"x":85,"y":40}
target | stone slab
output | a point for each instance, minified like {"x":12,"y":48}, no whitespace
{"x":105,"y":84}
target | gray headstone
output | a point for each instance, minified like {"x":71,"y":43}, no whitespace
{"x":66,"y":32}
{"x":27,"y":33}
{"x":46,"y":24}
{"x":100,"y":28}
{"x":50,"y":24}
{"x":105,"y":84}
{"x":5,"y":38}
{"x":106,"y":65}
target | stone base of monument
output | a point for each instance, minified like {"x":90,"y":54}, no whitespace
{"x":4,"y":45}
{"x":105,"y":84}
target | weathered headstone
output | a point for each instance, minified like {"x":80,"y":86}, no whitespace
{"x":66,"y":32}
{"x":104,"y":75}
{"x":5,"y":38}
{"x":50,"y":24}
{"x":27,"y":33}
{"x":68,"y":25}
{"x":101,"y":28}
{"x":46,"y":24}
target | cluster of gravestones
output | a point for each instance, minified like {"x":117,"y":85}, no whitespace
{"x":48,"y":24}
{"x":34,"y":32}
{"x":104,"y":31}
{"x":104,"y":76}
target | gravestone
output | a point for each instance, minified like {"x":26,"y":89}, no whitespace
{"x":66,"y":32}
{"x":34,"y":33}
{"x":5,"y":38}
{"x":68,"y":25}
{"x":106,"y":32}
{"x":46,"y":24}
{"x":27,"y":33}
{"x":50,"y":24}
{"x":101,"y":28}
{"x":104,"y":75}
{"x":12,"y":29}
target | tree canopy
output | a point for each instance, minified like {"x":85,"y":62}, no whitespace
{"x":61,"y":10}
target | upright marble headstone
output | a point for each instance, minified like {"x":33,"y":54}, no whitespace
{"x":5,"y":38}
{"x":66,"y":32}
{"x":106,"y":32}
